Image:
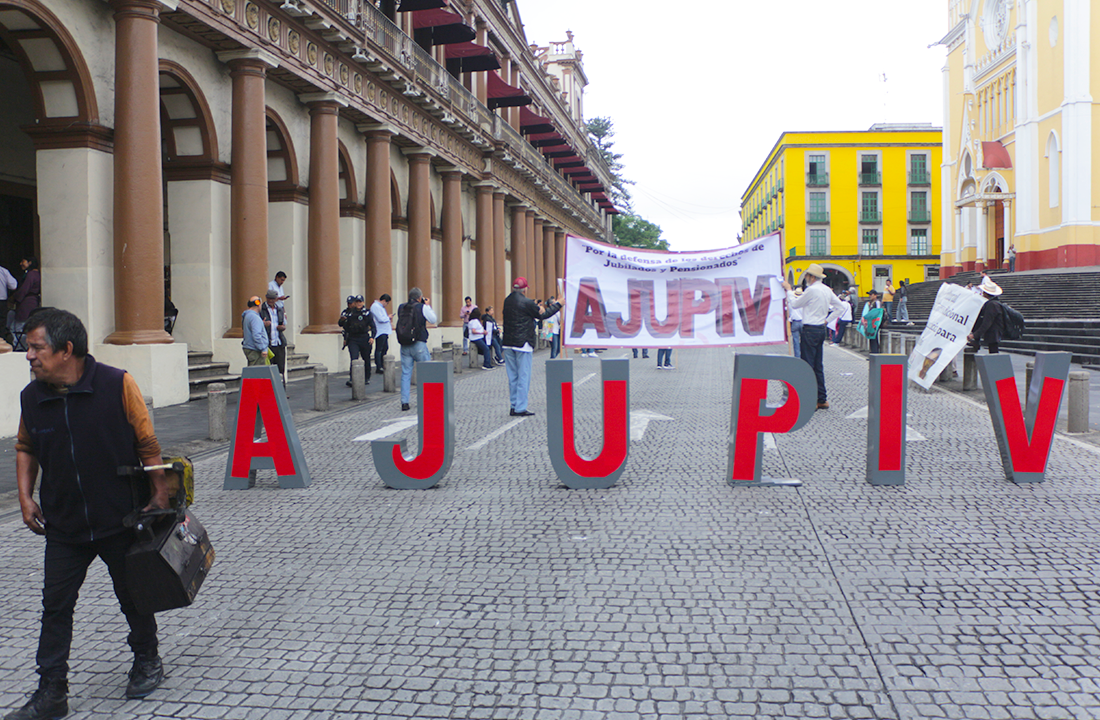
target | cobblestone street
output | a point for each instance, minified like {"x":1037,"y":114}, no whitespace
{"x":501,"y":594}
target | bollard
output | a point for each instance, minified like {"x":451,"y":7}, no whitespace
{"x":1028,"y":368}
{"x":320,"y":389}
{"x":474,"y":356}
{"x":390,"y":376}
{"x":456,"y":352}
{"x":1079,"y":401}
{"x":148,"y":406}
{"x":217,"y":400}
{"x":358,"y":380}
{"x":970,"y":369}
{"x":439,"y":354}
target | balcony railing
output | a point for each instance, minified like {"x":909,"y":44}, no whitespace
{"x":817,"y":248}
{"x":868,"y":248}
{"x":817,"y":179}
{"x":872,"y":178}
{"x":817,"y":218}
{"x":870,"y":216}
{"x":920,"y":177}
{"x":920,"y":216}
{"x":918,"y":247}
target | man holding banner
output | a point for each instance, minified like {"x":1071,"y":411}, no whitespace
{"x":820,"y":306}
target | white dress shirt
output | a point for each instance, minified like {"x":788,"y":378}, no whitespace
{"x":7,"y":282}
{"x":819,"y":304}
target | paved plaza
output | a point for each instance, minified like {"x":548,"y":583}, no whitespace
{"x":501,"y":594}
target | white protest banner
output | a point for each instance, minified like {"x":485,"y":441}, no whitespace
{"x":952,"y":317}
{"x":621,"y":297}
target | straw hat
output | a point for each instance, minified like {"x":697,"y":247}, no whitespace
{"x":797,"y":292}
{"x":990,"y":288}
{"x":816,"y":270}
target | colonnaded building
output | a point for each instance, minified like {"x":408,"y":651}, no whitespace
{"x":197,"y":147}
{"x":859,"y":203}
{"x":1021,"y":147}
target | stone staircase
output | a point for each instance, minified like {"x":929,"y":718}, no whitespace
{"x":1061,"y":309}
{"x":202,"y":371}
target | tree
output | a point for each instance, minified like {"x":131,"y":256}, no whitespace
{"x":601,"y":130}
{"x":633,"y":231}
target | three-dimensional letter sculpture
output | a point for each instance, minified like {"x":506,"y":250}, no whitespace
{"x":262,"y":393}
{"x":1024,"y":437}
{"x":749,"y":421}
{"x":573,"y":470}
{"x":886,"y":408}
{"x":436,"y":411}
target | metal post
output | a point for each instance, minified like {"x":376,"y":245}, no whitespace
{"x":970,"y":369}
{"x":1079,"y":401}
{"x":390,"y":376}
{"x":217,"y":399}
{"x":1028,"y":369}
{"x":358,"y":380}
{"x":148,"y":406}
{"x":320,"y":388}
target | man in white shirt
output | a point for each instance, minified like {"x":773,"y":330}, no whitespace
{"x":7,"y":284}
{"x":276,"y":286}
{"x":383,"y":328}
{"x":820,"y":306}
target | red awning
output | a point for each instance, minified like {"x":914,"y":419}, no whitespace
{"x":572,"y":159}
{"x":994,"y":155}
{"x":596,"y":187}
{"x":470,"y":57}
{"x":501,"y":94}
{"x":559,"y":151}
{"x":414,"y":5}
{"x":533,"y":124}
{"x":434,"y":17}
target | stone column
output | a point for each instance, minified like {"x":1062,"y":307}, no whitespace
{"x":379,"y":273}
{"x":420,"y":220}
{"x":484,"y":271}
{"x":138,"y":189}
{"x":982,"y":239}
{"x":519,"y":244}
{"x":527,"y":270}
{"x":1008,"y":232}
{"x":501,"y":284}
{"x":248,"y":180}
{"x":448,"y":306}
{"x":324,"y":212}
{"x":535,"y":263}
{"x":549,"y":281}
{"x":559,"y":254}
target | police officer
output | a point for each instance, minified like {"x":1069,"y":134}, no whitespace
{"x":359,"y":330}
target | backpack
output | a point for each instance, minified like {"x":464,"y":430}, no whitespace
{"x":408,"y":327}
{"x":1014,"y":323}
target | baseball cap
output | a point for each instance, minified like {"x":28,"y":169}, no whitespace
{"x":350,"y":300}
{"x":521,"y":282}
{"x":360,"y":298}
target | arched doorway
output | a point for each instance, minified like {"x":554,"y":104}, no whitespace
{"x":18,"y":180}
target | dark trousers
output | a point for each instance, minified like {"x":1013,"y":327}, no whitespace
{"x":993,"y":345}
{"x":841,"y":326}
{"x":813,"y":352}
{"x":66,"y":567}
{"x":360,"y":345}
{"x":498,"y":350}
{"x":5,"y":334}
{"x":381,"y":347}
{"x":872,"y":345}
{"x":279,"y":360}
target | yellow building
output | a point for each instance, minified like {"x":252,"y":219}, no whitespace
{"x":860,"y":203}
{"x":1020,"y":145}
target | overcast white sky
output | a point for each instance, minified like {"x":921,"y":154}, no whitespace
{"x":700,"y":91}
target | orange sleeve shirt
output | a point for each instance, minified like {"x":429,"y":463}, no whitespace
{"x":144,"y":438}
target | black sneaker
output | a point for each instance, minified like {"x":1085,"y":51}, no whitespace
{"x":49,"y":702}
{"x":348,"y":383}
{"x":404,"y":406}
{"x":146,"y":675}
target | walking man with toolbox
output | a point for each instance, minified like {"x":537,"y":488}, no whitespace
{"x":81,"y":421}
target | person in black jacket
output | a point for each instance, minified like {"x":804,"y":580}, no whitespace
{"x":990,"y":323}
{"x":80,"y":421}
{"x":359,"y":330}
{"x":520,"y":314}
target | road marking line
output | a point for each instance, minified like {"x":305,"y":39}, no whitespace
{"x":395,"y":426}
{"x":495,"y":434}
{"x":584,"y":379}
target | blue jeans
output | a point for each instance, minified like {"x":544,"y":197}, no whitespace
{"x":664,"y":357}
{"x":410,"y":355}
{"x":645,"y":352}
{"x":498,"y":350}
{"x":903,"y":311}
{"x":555,"y":345}
{"x":888,"y":309}
{"x":796,"y":337}
{"x":518,"y":366}
{"x":813,"y":352}
{"x":841,"y":326}
{"x":486,"y":354}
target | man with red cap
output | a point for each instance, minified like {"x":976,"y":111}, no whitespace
{"x":520,"y":314}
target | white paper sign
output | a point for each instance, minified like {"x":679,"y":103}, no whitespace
{"x":952,"y":317}
{"x":620,"y":297}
